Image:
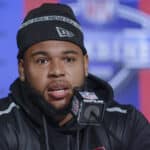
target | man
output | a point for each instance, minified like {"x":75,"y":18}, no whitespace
{"x":55,"y":104}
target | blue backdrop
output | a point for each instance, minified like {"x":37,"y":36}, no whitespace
{"x":116,"y":37}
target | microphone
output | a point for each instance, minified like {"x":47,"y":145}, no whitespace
{"x":87,"y":108}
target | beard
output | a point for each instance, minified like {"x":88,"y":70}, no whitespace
{"x":52,"y":113}
{"x":45,"y":107}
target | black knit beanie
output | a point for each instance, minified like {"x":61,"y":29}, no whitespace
{"x":49,"y":22}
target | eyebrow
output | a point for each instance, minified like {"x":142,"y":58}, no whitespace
{"x":70,"y":52}
{"x":41,"y":52}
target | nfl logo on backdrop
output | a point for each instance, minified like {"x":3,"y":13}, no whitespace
{"x":98,"y":11}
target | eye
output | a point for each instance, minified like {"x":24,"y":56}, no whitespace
{"x":69,"y":59}
{"x":42,"y":61}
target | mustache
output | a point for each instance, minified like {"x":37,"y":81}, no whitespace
{"x":59,"y":84}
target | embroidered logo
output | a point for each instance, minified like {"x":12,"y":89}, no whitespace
{"x":64,"y":32}
{"x":89,"y":95}
{"x":100,"y":148}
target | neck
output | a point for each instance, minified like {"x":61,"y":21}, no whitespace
{"x":65,"y":119}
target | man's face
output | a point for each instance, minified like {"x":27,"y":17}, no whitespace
{"x":54,"y":69}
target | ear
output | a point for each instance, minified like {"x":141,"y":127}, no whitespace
{"x":86,"y":63}
{"x":21,"y":70}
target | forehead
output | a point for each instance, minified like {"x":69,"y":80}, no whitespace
{"x":54,"y":47}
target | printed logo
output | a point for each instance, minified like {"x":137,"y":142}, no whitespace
{"x":64,"y":32}
{"x":88,"y":95}
{"x":98,"y":11}
{"x":100,"y":148}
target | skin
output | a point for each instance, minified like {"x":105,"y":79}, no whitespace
{"x":54,"y":68}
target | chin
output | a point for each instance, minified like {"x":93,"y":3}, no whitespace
{"x":59,"y":105}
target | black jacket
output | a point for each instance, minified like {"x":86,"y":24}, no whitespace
{"x":23,"y":126}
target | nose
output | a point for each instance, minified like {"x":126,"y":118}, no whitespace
{"x":56,"y":69}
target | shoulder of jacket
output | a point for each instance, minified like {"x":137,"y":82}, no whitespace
{"x":122,"y":114}
{"x":7,"y":106}
{"x":125,"y":122}
{"x":115,"y":108}
{"x":125,"y":115}
{"x":8,"y":124}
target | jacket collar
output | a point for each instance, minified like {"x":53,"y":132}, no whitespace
{"x":35,"y":107}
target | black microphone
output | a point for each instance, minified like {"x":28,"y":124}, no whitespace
{"x":87,"y":107}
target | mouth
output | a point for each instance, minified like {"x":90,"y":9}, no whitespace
{"x":58,"y":94}
{"x":58,"y":90}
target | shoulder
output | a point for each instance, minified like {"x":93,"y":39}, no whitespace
{"x":8,"y":110}
{"x":125,"y":112}
{"x":7,"y":122}
{"x":116,"y":109}
{"x":117,"y":116}
{"x":132,"y":113}
{"x":128,"y":125}
{"x":126,"y":117}
{"x":137,"y":129}
{"x":7,"y":106}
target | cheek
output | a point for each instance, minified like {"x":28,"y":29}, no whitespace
{"x":36,"y":78}
{"x":77,"y":75}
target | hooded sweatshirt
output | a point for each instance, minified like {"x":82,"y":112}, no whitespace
{"x":26,"y":123}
